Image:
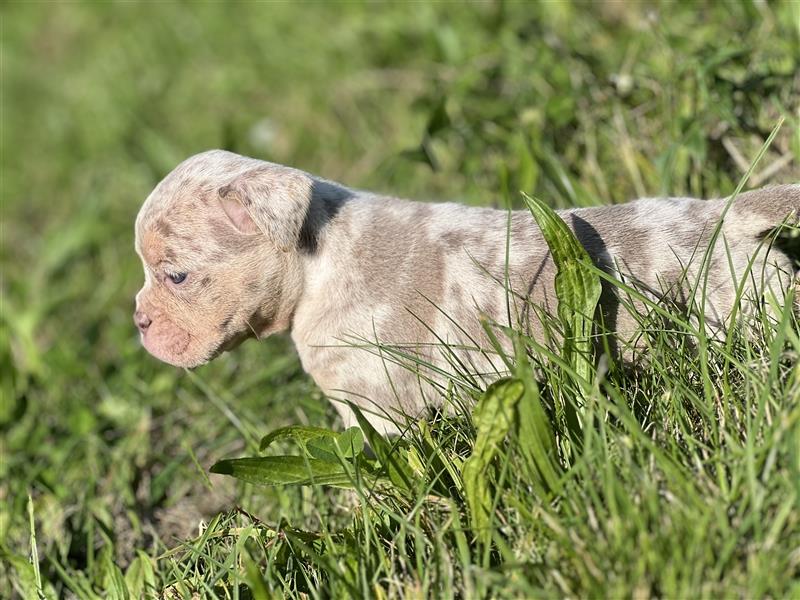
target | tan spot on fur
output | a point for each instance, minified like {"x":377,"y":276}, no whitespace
{"x":153,"y":248}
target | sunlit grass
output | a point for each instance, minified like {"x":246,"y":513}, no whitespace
{"x":682,"y":480}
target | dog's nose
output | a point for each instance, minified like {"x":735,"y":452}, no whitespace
{"x":142,"y":320}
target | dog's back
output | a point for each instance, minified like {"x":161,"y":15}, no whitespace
{"x":412,"y":276}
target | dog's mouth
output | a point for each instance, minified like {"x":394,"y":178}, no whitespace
{"x":179,"y":347}
{"x":189,"y":347}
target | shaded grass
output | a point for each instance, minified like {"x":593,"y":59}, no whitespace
{"x":685,"y":486}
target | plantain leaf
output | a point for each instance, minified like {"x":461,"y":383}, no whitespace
{"x":285,"y":470}
{"x":493,"y":416}
{"x":577,"y":286}
{"x":349,"y":444}
{"x":536,"y":440}
{"x":299,"y":433}
{"x":114,"y":582}
{"x":140,"y":577}
{"x":24,"y":575}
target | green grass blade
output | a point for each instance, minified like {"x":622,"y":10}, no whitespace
{"x":397,"y":468}
{"x":255,"y":581}
{"x":34,"y":558}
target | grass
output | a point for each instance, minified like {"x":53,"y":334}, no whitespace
{"x":681,"y":481}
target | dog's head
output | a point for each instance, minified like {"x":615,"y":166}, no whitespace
{"x":218,"y":239}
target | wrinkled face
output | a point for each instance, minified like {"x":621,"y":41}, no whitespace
{"x":207,"y":286}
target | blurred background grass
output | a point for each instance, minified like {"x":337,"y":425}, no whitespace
{"x":576,"y":103}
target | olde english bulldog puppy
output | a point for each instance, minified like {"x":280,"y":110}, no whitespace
{"x":236,"y":248}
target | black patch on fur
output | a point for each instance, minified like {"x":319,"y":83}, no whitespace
{"x":785,"y":238}
{"x":227,"y":321}
{"x":326,"y":201}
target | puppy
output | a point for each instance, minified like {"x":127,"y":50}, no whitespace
{"x":384,"y":297}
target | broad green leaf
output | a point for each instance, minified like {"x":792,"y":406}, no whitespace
{"x":285,"y":470}
{"x":578,"y":290}
{"x":299,"y":433}
{"x":349,"y":443}
{"x":22,"y":573}
{"x":536,"y":440}
{"x":115,"y":585}
{"x":397,"y":468}
{"x":494,"y":416}
{"x":140,"y":577}
{"x":577,"y":286}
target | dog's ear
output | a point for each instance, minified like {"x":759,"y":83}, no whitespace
{"x":271,"y":200}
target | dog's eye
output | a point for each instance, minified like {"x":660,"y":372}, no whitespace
{"x":176,"y":277}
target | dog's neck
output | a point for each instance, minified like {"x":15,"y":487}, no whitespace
{"x":326,"y":202}
{"x":327,"y":199}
